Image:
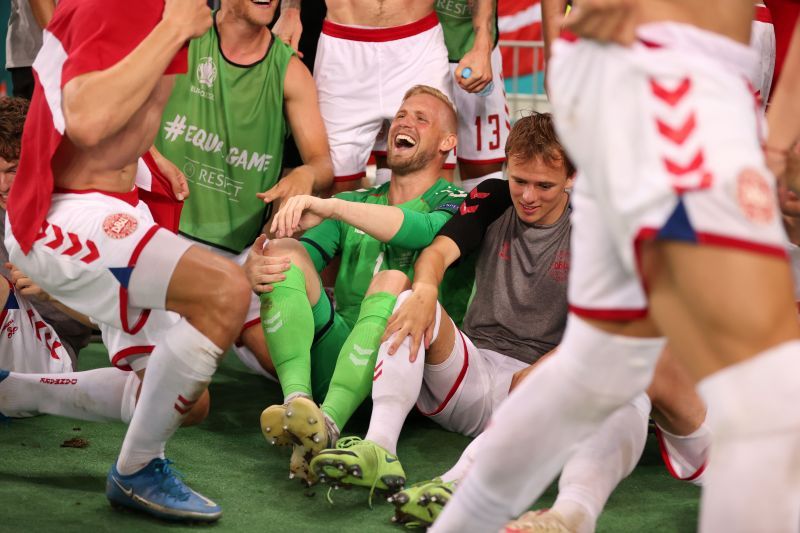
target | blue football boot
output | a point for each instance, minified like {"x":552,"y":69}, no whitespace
{"x":156,"y":489}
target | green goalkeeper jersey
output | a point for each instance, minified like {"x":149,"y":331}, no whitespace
{"x":364,"y":256}
{"x":224,"y":127}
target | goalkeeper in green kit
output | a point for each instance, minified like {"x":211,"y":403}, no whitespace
{"x":321,"y":353}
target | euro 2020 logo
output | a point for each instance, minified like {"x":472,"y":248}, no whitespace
{"x":206,"y":72}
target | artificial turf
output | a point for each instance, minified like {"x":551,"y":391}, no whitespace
{"x":47,"y":487}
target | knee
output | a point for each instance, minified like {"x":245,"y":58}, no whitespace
{"x":228,"y":296}
{"x":392,"y":281}
{"x":287,"y":248}
{"x":199,"y":411}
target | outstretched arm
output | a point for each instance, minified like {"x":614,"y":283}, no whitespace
{"x":98,"y":104}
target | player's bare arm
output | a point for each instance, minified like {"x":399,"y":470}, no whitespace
{"x":303,"y":212}
{"x":308,"y":129}
{"x":783,"y":116}
{"x":417,"y":315}
{"x":98,"y":105}
{"x":288,"y":28}
{"x":42,"y":11}
{"x":479,"y":58}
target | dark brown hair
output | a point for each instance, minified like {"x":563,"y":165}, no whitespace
{"x":534,"y":136}
{"x":12,"y":119}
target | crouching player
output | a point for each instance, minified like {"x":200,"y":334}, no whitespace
{"x":320,"y":352}
{"x":77,"y":229}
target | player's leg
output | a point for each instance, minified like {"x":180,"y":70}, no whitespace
{"x":593,"y":472}
{"x":352,"y":379}
{"x":680,"y":416}
{"x":288,"y":321}
{"x":356,"y":369}
{"x":736,"y":331}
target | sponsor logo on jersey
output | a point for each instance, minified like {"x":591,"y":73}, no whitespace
{"x":59,"y":381}
{"x":756,"y":199}
{"x":449,"y":207}
{"x":505,"y":251}
{"x":119,"y":225}
{"x":206,"y":72}
{"x":10,"y":328}
{"x":559,"y":269}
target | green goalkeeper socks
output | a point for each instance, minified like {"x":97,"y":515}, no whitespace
{"x":352,"y":380}
{"x":288,"y":325}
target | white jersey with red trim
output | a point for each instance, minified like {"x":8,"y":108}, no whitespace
{"x":27,"y":343}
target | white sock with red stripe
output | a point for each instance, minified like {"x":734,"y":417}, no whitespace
{"x":91,"y":395}
{"x":685,"y":456}
{"x":751,"y":482}
{"x":396,"y":386}
{"x":460,"y":469}
{"x":600,"y":463}
{"x":534,"y":432}
{"x":178,"y":371}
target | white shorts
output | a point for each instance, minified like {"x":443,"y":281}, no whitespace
{"x":762,"y":40}
{"x":362,"y":75}
{"x":103,"y":256}
{"x":462,"y":393}
{"x":665,"y":136}
{"x":27,"y":343}
{"x":483,"y":121}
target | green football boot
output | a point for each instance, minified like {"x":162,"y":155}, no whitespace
{"x":355,"y":461}
{"x":421,"y":503}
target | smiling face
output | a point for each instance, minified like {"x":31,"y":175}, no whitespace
{"x":421,"y":133}
{"x":256,"y":12}
{"x":538,"y":190}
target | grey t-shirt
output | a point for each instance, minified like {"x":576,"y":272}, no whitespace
{"x":520,"y":304}
{"x":24,"y":37}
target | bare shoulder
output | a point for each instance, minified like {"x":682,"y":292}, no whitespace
{"x":298,"y":81}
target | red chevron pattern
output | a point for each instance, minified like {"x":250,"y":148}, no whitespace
{"x":679,"y":170}
{"x":42,"y":232}
{"x":476,"y":195}
{"x":681,"y":133}
{"x":673,"y":97}
{"x":182,"y":405}
{"x":76,"y":245}
{"x":58,"y":240}
{"x":93,"y":252}
{"x":467,"y":209}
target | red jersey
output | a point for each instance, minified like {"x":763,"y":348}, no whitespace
{"x":784,"y":18}
{"x":83,"y":36}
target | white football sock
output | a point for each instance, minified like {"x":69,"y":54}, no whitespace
{"x":534,"y":431}
{"x":468,"y":185}
{"x":395,"y":387}
{"x":600,"y":462}
{"x":686,"y":455}
{"x":179,"y":370}
{"x":752,"y":482}
{"x":91,"y":395}
{"x":129,"y":396}
{"x":462,"y":466}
